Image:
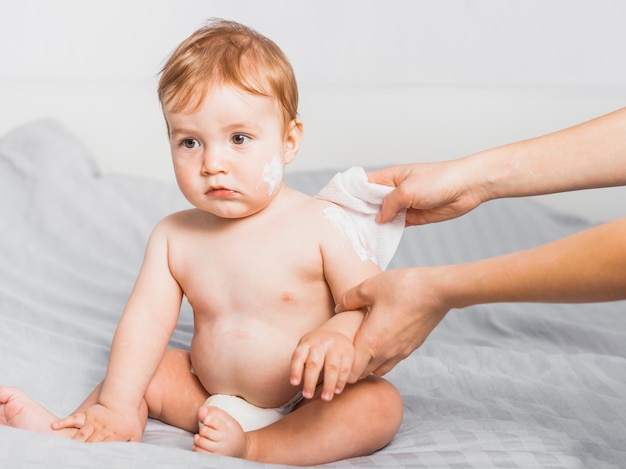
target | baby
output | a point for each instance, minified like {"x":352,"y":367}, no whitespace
{"x":262,"y":266}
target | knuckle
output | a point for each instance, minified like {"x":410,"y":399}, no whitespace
{"x":333,"y":367}
{"x":314,"y":361}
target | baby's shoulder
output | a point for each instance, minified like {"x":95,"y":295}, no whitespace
{"x":181,"y":217}
{"x":318,"y":211}
{"x":306,"y":202}
{"x":182,"y":221}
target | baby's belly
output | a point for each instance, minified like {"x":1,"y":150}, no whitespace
{"x":252,"y":362}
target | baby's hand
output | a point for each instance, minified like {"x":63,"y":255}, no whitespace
{"x":325,"y":349}
{"x":98,"y":423}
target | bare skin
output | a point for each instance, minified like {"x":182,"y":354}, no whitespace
{"x":19,"y":411}
{"x":588,"y":155}
{"x":262,"y":267}
{"x":405,"y":305}
{"x":374,"y":400}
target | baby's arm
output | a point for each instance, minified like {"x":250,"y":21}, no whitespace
{"x":329,"y":349}
{"x":141,"y":337}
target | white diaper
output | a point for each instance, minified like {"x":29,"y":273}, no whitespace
{"x":249,"y":416}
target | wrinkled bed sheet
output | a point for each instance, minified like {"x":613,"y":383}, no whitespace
{"x":504,"y":385}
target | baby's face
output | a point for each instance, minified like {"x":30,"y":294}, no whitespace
{"x":229,"y":155}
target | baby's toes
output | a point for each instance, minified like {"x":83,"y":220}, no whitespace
{"x":203,"y":444}
{"x":220,"y":434}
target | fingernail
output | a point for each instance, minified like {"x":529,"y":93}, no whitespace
{"x":338,"y":309}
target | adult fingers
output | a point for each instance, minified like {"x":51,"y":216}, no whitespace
{"x":353,"y":300}
{"x":361,"y":366}
{"x":382,"y":176}
{"x":398,"y":199}
{"x":386,"y":367}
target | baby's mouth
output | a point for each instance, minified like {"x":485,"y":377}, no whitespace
{"x":220,"y":192}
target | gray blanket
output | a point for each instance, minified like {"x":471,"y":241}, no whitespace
{"x":505,"y":385}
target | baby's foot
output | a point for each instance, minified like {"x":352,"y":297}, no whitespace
{"x":220,"y":434}
{"x":19,"y":411}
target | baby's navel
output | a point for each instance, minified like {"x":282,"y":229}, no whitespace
{"x":286,"y":296}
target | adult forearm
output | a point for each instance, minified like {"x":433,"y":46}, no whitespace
{"x":585,"y":267}
{"x":592,"y":154}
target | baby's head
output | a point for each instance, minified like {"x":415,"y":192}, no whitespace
{"x":230,"y":101}
{"x":227,"y":53}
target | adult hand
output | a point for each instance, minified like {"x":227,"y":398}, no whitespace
{"x":431,"y":192}
{"x":402,"y":310}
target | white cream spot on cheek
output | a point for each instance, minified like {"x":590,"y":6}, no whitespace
{"x":346,"y":225}
{"x":273,"y":174}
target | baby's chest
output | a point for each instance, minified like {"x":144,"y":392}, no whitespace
{"x":241,"y":275}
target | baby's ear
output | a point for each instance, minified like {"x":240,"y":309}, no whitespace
{"x":293,"y":137}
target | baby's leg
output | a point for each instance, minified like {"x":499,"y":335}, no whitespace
{"x":357,"y":422}
{"x":175,"y":393}
{"x":19,"y":411}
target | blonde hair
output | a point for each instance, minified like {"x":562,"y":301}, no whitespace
{"x":227,"y":53}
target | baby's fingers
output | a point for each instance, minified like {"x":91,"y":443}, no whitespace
{"x":336,"y":372}
{"x":306,"y":366}
{"x":332,"y":372}
{"x":85,"y":433}
{"x":312,"y":371}
{"x":344,"y":375}
{"x":298,"y":360}
{"x":71,"y":421}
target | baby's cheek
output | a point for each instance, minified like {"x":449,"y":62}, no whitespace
{"x":273,"y":174}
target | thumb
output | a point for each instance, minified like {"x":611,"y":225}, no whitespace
{"x":351,"y":300}
{"x":391,"y":205}
{"x":384,"y":177}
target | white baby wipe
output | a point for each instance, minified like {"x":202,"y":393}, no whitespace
{"x":361,"y":200}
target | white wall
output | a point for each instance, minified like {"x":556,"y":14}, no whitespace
{"x":331,"y":42}
{"x":381,"y":81}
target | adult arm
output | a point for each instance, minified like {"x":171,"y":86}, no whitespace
{"x":405,"y":305}
{"x":588,"y":155}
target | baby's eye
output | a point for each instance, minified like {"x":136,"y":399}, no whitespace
{"x":240,"y":139}
{"x":190,"y":143}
